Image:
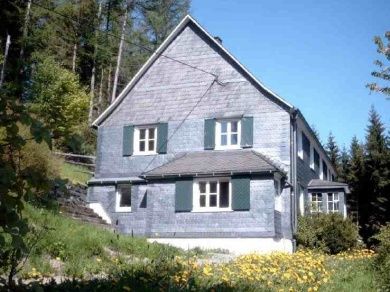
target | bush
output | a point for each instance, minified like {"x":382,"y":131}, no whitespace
{"x":382,"y":261}
{"x":330,"y":233}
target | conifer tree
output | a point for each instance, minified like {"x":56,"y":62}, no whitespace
{"x":354,"y":178}
{"x":333,"y":151}
{"x":377,"y":173}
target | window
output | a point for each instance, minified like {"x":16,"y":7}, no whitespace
{"x":212,"y":195}
{"x":324,"y":171}
{"x":316,"y":202}
{"x":300,"y":150}
{"x":123,"y":198}
{"x":333,"y":202}
{"x":228,"y":134}
{"x":312,"y":157}
{"x":305,"y":148}
{"x":145,"y":140}
{"x":316,"y":161}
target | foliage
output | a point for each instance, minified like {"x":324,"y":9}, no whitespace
{"x":17,"y":180}
{"x":330,"y":233}
{"x":366,"y":169}
{"x":383,"y":68}
{"x":58,"y":99}
{"x":382,"y":261}
{"x":302,"y":271}
{"x":84,"y":249}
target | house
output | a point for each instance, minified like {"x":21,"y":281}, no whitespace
{"x":195,"y":151}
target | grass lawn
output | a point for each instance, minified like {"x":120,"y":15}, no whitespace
{"x":100,"y":260}
{"x":74,"y":173}
{"x":72,"y":248}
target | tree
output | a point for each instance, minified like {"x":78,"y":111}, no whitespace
{"x":345,"y":165}
{"x":355,"y":180}
{"x":58,"y":99}
{"x":377,"y":173}
{"x":383,"y":71}
{"x":17,"y":182}
{"x":333,"y":151}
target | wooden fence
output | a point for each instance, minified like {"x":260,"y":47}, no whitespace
{"x":78,"y":159}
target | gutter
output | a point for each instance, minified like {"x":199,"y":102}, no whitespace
{"x":213,"y":174}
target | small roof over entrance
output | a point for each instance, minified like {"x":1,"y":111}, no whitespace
{"x":319,"y":185}
{"x":215,"y":163}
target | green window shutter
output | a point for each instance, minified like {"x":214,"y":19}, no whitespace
{"x":246,"y":132}
{"x":183,"y":195}
{"x":240,"y":193}
{"x":209,"y":134}
{"x":128,"y":136}
{"x":162,"y":138}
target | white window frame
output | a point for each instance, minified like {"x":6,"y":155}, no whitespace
{"x":137,"y":140}
{"x":218,"y":134}
{"x":196,"y":198}
{"x":333,"y":201}
{"x":118,"y":192}
{"x":316,"y":203}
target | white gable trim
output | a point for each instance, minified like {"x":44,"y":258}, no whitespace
{"x":157,"y":53}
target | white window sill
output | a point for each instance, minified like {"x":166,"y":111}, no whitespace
{"x":144,"y":153}
{"x":123,"y":210}
{"x":212,"y":210}
{"x":227,"y":147}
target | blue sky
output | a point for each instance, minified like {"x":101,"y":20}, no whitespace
{"x":316,"y":54}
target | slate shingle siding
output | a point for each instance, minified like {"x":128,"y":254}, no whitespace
{"x":159,"y":219}
{"x":167,"y":92}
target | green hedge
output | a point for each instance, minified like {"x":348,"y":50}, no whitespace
{"x":382,"y":261}
{"x":330,"y":233}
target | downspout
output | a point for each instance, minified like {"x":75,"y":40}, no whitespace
{"x":293,"y":167}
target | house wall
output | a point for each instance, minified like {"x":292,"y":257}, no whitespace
{"x":153,"y":213}
{"x":173,"y":93}
{"x":169,"y":91}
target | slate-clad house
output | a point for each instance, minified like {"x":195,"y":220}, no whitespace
{"x":197,"y":152}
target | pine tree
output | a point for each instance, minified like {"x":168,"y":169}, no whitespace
{"x":333,"y":151}
{"x":377,"y":173}
{"x":345,"y":165}
{"x":355,"y":180}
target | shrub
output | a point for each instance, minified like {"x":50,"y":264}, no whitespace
{"x":330,"y":233}
{"x":382,"y":261}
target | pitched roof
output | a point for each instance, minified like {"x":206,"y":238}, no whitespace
{"x":215,"y":163}
{"x":187,"y":20}
{"x":325,"y":184}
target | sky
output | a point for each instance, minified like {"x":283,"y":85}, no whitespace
{"x":316,"y":54}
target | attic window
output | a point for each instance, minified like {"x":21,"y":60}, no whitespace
{"x":228,"y":134}
{"x":145,"y":140}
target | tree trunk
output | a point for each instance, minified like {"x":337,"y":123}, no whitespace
{"x":118,"y":61}
{"x":74,"y":58}
{"x":7,"y":44}
{"x":93,"y":73}
{"x":25,"y":28}
{"x":109,"y":82}
{"x":100,"y":98}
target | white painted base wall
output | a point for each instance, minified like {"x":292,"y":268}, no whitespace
{"x":98,"y":209}
{"x":234,"y":245}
